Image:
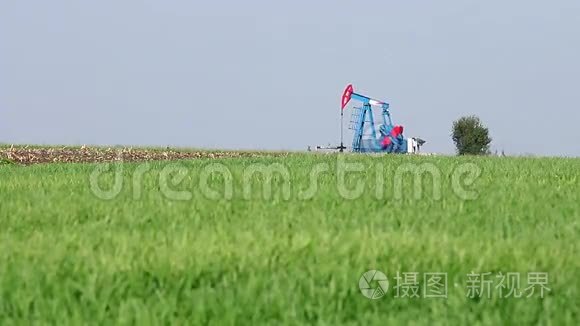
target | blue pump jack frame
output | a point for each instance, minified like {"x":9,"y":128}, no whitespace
{"x":365,"y":110}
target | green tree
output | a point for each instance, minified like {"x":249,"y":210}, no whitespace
{"x":470,"y":136}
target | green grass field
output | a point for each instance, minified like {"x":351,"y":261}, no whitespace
{"x":151,"y":255}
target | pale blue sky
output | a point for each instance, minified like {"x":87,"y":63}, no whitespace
{"x":269,"y":74}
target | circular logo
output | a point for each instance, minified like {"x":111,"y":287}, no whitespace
{"x":374,"y":284}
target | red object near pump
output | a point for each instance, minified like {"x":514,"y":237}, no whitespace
{"x":347,"y":95}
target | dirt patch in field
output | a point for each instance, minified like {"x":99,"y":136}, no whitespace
{"x":27,"y":156}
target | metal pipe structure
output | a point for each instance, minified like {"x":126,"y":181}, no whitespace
{"x":390,"y":138}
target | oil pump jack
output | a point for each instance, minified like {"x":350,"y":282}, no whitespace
{"x":368,"y":137}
